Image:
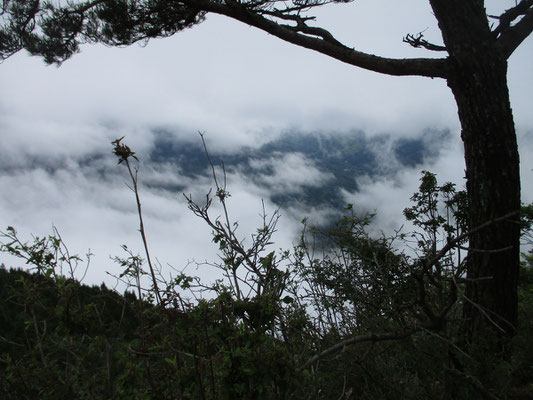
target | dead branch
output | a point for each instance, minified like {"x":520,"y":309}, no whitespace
{"x":417,"y":41}
{"x":508,"y":17}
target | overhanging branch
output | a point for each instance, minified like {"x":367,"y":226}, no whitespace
{"x":61,"y":28}
{"x":321,"y":40}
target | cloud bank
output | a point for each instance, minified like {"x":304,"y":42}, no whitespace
{"x":246,"y":90}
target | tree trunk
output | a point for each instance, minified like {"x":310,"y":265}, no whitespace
{"x":493,"y":185}
{"x":478,"y":81}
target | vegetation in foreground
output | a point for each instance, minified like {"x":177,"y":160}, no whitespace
{"x":344,"y":315}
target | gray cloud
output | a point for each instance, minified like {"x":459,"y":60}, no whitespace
{"x":242,"y":87}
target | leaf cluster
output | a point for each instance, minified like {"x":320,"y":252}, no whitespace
{"x":55,"y":31}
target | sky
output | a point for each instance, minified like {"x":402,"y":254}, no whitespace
{"x":239,"y":86}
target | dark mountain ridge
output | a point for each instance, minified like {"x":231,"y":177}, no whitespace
{"x":343,"y":157}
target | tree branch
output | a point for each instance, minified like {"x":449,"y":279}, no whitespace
{"x":379,"y":337}
{"x":512,"y":36}
{"x":507,"y":18}
{"x":305,"y":36}
{"x":452,"y":243}
{"x":434,"y":318}
{"x":59,"y":34}
{"x":417,"y":42}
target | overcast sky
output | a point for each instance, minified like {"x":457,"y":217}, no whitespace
{"x":241,"y":87}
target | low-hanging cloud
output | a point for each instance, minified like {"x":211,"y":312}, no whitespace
{"x":244,"y":88}
{"x":287,"y":173}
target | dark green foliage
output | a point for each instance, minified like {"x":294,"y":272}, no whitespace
{"x":64,"y":340}
{"x":357,"y":317}
{"x":367,"y":294}
{"x":522,"y":361}
{"x":475,"y":69}
{"x":64,"y":27}
{"x":60,"y":339}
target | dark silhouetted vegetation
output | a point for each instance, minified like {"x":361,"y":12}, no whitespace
{"x":475,"y":49}
{"x":343,"y":315}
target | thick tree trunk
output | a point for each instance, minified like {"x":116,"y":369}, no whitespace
{"x":493,"y":185}
{"x":478,"y":80}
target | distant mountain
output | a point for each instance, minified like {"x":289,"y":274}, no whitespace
{"x":338,"y":159}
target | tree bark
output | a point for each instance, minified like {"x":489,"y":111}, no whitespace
{"x":493,"y":185}
{"x":478,"y":80}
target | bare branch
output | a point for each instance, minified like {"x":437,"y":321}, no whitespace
{"x":510,"y":37}
{"x":302,"y":27}
{"x":322,"y":41}
{"x":509,"y":16}
{"x":417,"y":42}
{"x":123,"y":152}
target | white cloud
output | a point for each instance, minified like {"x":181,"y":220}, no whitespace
{"x":96,"y":210}
{"x":389,"y":196}
{"x":242,"y":87}
{"x":289,"y":172}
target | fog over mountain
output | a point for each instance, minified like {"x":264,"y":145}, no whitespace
{"x":304,"y":169}
{"x":301,"y":131}
{"x":304,"y":174}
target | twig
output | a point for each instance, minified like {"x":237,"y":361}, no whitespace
{"x":124,"y":153}
{"x":452,"y":243}
{"x":379,"y":337}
